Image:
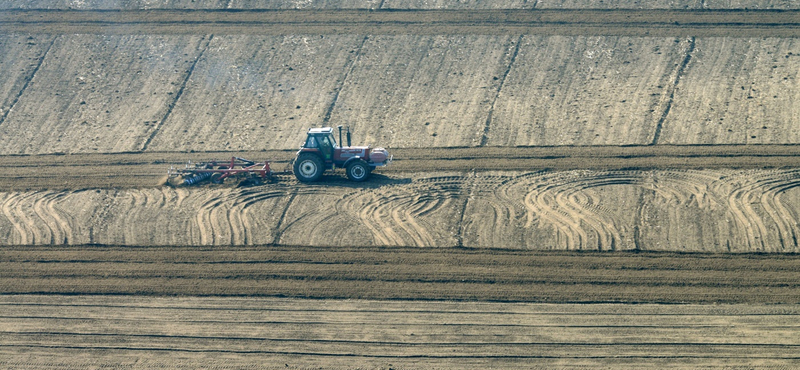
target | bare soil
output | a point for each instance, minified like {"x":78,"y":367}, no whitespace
{"x":402,"y":273}
{"x":665,"y":198}
{"x":401,"y":79}
{"x":396,"y":4}
{"x":474,"y":249}
{"x":233,"y":332}
{"x":149,"y":169}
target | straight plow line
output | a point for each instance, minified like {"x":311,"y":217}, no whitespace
{"x":395,"y":343}
{"x":628,"y":22}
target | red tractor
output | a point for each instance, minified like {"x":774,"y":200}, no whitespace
{"x":320,"y":152}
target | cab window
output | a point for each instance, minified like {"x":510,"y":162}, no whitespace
{"x":311,"y":142}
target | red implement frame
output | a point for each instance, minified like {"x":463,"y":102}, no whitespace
{"x":228,"y":168}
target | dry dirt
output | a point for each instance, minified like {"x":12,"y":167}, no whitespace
{"x":396,"y":4}
{"x":255,"y":80}
{"x":530,"y":138}
{"x":231,"y":332}
{"x":113,"y":306}
{"x":402,"y":273}
{"x":587,"y":198}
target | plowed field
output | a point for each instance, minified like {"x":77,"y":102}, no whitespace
{"x":576,"y":184}
{"x":190,"y":332}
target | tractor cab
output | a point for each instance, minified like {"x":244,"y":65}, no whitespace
{"x":322,"y":139}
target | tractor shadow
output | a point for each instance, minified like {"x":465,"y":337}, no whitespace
{"x":328,"y":180}
{"x":374,"y":181}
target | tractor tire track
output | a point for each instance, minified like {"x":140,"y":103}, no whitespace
{"x":138,"y":170}
{"x":579,"y":219}
{"x":20,"y":209}
{"x":574,"y":210}
{"x":338,"y":89}
{"x":244,"y":223}
{"x":749,"y":192}
{"x":213,"y":229}
{"x":395,"y":215}
{"x":508,"y":208}
{"x":310,"y":217}
{"x":740,"y":198}
{"x":279,"y":228}
{"x":565,"y":202}
{"x":782,"y":214}
{"x":772,"y":204}
{"x":58,"y":229}
{"x":21,"y":235}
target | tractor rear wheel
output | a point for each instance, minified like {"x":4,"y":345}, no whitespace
{"x":357,"y":170}
{"x":308,"y":167}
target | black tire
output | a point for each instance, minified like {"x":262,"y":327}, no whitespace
{"x":358,"y":171}
{"x":308,"y":167}
{"x":216,"y":178}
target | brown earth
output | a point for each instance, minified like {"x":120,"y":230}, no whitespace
{"x":110,"y":310}
{"x":666,"y":198}
{"x":425,"y":87}
{"x":149,"y":169}
{"x":401,"y":273}
{"x":627,"y":22}
{"x":397,"y":4}
{"x":233,"y":332}
{"x":104,"y":265}
{"x":722,"y":210}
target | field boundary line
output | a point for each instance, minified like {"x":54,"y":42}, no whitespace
{"x":329,"y":111}
{"x":621,"y":22}
{"x":501,"y":83}
{"x":671,"y":90}
{"x":178,"y":94}
{"x":27,"y":81}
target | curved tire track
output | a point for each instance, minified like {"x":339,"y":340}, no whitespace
{"x":58,"y":228}
{"x":545,"y":209}
{"x":395,"y":214}
{"x":751,"y":200}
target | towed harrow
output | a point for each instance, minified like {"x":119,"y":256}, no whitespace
{"x":217,"y":171}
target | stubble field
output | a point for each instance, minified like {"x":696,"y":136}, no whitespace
{"x":555,"y":161}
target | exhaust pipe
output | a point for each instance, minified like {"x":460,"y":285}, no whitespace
{"x":340,"y":135}
{"x":348,"y":135}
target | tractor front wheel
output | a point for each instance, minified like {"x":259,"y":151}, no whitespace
{"x":358,"y":170}
{"x":308,"y":167}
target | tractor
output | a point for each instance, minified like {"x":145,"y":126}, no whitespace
{"x":320,"y":152}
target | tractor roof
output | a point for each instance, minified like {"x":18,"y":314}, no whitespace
{"x":320,"y":130}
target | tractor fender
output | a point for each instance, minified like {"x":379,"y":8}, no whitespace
{"x":351,"y":159}
{"x":327,"y":164}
